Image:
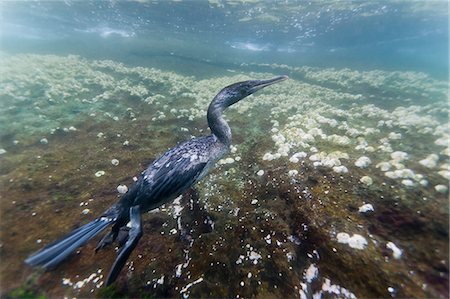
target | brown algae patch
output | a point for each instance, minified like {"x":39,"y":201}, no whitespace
{"x":266,"y":221}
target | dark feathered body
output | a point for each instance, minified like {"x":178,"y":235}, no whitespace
{"x":170,"y":175}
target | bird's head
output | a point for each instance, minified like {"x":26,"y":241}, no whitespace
{"x":237,"y":91}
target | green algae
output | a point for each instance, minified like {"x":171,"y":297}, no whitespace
{"x":23,"y":293}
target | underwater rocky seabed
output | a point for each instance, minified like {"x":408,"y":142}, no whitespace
{"x":336,"y":184}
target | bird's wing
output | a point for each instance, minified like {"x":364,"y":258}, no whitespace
{"x":164,"y":180}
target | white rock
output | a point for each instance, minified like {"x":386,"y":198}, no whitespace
{"x":430,"y":161}
{"x":300,"y":155}
{"x":405,"y":173}
{"x":396,"y":252}
{"x":293,"y":172}
{"x":221,"y":161}
{"x":44,"y":141}
{"x":340,"y":169}
{"x":343,"y":238}
{"x":398,"y":165}
{"x":268,"y":239}
{"x":443,"y":141}
{"x":122,"y":189}
{"x":441,"y":188}
{"x":445,"y":174}
{"x":408,"y":183}
{"x":284,"y":149}
{"x":315,"y":157}
{"x":363,"y":162}
{"x":356,"y":241}
{"x":293,"y":159}
{"x":339,"y":140}
{"x":366,"y":208}
{"x":399,"y":156}
{"x":370,"y":149}
{"x":394,"y":136}
{"x":99,"y":173}
{"x":115,"y":162}
{"x":423,"y":183}
{"x":268,"y":157}
{"x":229,"y":160}
{"x":278,"y":138}
{"x":330,"y":162}
{"x":384,"y":166}
{"x":366,"y":180}
{"x":254,"y":201}
{"x":2,"y":151}
{"x":445,"y":151}
{"x":311,"y":273}
{"x":254,"y":256}
{"x":260,"y":172}
{"x":317,"y":163}
{"x":391,"y":174}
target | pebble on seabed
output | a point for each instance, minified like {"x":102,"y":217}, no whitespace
{"x":293,"y":172}
{"x":356,"y":241}
{"x":99,"y":173}
{"x":396,"y":252}
{"x":340,"y":169}
{"x":441,"y":188}
{"x":366,"y":208}
{"x":366,"y":180}
{"x":363,"y":162}
{"x":430,"y":161}
{"x":408,"y":183}
{"x":122,"y":189}
{"x":115,"y":162}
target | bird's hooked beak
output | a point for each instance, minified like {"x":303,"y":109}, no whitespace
{"x":259,"y":84}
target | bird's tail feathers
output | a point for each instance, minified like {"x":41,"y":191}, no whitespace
{"x":53,"y":254}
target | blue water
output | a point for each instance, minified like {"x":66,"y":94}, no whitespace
{"x":337,"y":180}
{"x":392,"y":35}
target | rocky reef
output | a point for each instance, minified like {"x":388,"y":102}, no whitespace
{"x":336,"y":184}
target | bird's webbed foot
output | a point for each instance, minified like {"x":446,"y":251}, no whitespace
{"x":123,"y":235}
{"x":107,"y":240}
{"x":134,"y":234}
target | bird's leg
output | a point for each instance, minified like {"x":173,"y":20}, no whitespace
{"x":134,"y":235}
{"x":122,"y":237}
{"x":108,"y":239}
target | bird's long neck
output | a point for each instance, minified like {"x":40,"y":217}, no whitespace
{"x":218,"y":125}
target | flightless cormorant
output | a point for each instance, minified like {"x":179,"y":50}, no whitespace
{"x":165,"y":179}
